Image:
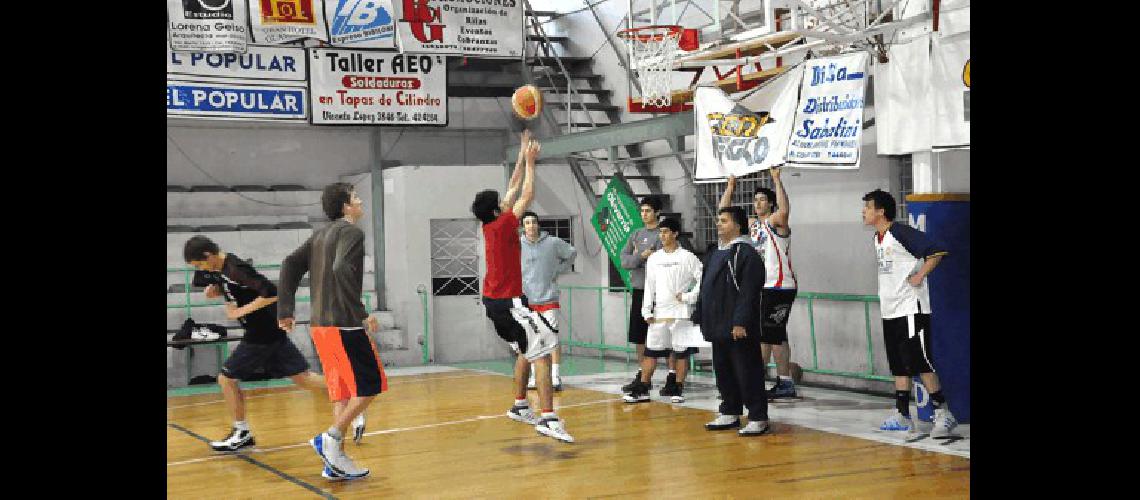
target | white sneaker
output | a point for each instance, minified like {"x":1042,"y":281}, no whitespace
{"x":523,"y":414}
{"x":203,"y":333}
{"x":755,"y":428}
{"x":358,"y":428}
{"x":897,"y":422}
{"x":332,"y":454}
{"x":553,"y":427}
{"x":723,"y":422}
{"x":234,"y":442}
{"x":944,"y":422}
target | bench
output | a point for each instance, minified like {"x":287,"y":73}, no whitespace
{"x":222,"y":345}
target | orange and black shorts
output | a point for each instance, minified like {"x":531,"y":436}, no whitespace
{"x":351,"y":364}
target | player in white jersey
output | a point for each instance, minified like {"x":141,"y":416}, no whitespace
{"x":771,"y":236}
{"x":672,"y":282}
{"x":906,"y":256}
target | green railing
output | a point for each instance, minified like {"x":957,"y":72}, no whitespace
{"x":601,"y":345}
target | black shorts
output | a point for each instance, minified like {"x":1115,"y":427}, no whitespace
{"x":277,"y":360}
{"x":682,"y":354}
{"x":638,"y":328}
{"x":499,"y":310}
{"x":908,"y":342}
{"x":775,"y":307}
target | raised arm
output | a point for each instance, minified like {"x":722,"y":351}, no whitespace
{"x":516,"y":177}
{"x":779,"y":218}
{"x":528,"y":182}
{"x":726,"y":198}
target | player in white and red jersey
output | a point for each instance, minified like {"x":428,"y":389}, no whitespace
{"x":771,"y":236}
{"x":906,"y":256}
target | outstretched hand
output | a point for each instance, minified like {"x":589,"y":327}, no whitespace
{"x":532,"y":150}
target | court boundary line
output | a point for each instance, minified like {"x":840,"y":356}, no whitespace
{"x":267,"y":467}
{"x":383,"y":431}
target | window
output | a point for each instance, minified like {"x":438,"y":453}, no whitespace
{"x":455,"y":256}
{"x":561,"y":227}
{"x":905,"y":166}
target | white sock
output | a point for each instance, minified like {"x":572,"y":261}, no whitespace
{"x":521,"y":403}
{"x":554,"y":369}
{"x":786,"y":377}
{"x":335,"y":434}
{"x":241,"y":425}
{"x":550,"y":415}
{"x":674,"y":372}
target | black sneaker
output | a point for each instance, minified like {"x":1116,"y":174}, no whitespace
{"x":676,"y":397}
{"x":236,"y":441}
{"x":636,"y":380}
{"x":670,"y":388}
{"x":639,"y":393}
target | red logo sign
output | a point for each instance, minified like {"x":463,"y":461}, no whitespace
{"x":287,"y":11}
{"x":417,"y":14}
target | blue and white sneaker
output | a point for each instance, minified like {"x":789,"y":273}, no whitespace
{"x":332,"y":454}
{"x":944,"y":422}
{"x":897,"y":422}
{"x":328,"y":473}
{"x":784,"y":389}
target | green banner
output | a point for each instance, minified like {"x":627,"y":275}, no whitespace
{"x":617,"y":216}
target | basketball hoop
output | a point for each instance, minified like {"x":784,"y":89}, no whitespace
{"x":652,"y":51}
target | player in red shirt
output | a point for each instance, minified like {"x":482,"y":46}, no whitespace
{"x":525,"y":331}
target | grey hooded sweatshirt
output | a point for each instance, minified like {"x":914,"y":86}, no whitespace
{"x":542,"y":262}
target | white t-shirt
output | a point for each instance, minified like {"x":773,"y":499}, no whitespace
{"x":901,"y":252}
{"x":666,"y":274}
{"x":773,"y":249}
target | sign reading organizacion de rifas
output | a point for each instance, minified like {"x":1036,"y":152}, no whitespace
{"x":265,"y":83}
{"x":359,"y":87}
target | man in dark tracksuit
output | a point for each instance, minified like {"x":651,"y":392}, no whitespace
{"x":725,"y":311}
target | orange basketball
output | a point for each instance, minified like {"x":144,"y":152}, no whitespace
{"x":527,"y":102}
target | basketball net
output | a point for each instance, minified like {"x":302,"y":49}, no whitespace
{"x":652,"y":49}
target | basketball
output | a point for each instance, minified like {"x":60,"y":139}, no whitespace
{"x":527,"y":102}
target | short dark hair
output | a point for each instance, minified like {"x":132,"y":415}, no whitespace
{"x":652,"y":201}
{"x":526,"y":214}
{"x":197,"y":247}
{"x":884,"y":200}
{"x":737,"y":215}
{"x":485,"y":204}
{"x":671,"y":223}
{"x":334,"y":198}
{"x":769,"y":194}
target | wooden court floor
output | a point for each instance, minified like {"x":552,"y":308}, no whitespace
{"x":444,"y":435}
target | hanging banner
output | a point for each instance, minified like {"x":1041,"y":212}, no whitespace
{"x":264,"y":101}
{"x":903,"y":101}
{"x":950,"y":57}
{"x":616,"y":217}
{"x":207,"y":25}
{"x":357,"y":87}
{"x":828,"y":127}
{"x":281,"y":21}
{"x":479,"y":28}
{"x":365,"y":24}
{"x":258,"y":63}
{"x":745,"y":137}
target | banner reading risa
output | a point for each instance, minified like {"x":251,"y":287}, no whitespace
{"x":480,"y":28}
{"x":207,"y":25}
{"x":745,"y":137}
{"x":828,"y":130}
{"x":281,"y":21}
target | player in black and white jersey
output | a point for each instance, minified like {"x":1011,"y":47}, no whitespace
{"x":771,"y":237}
{"x":906,"y":256}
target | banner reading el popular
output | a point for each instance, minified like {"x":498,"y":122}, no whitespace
{"x":743,"y":137}
{"x":828,"y":127}
{"x":479,"y":28}
{"x":616,"y":217}
{"x":265,"y":83}
{"x":207,"y":25}
{"x":359,"y":87}
{"x":365,"y":24}
{"x":280,"y":21}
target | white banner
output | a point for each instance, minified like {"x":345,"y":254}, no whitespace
{"x":258,"y":63}
{"x":950,"y":57}
{"x":280,"y":21}
{"x":365,"y":24}
{"x":828,"y":128}
{"x":356,"y":87}
{"x":264,"y":101}
{"x":479,"y":28}
{"x":745,"y":137}
{"x":207,"y":25}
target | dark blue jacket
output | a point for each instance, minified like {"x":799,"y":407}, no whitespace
{"x":730,"y":292}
